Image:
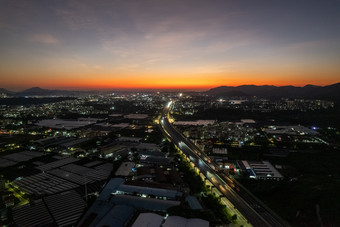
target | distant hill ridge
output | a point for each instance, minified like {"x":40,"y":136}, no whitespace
{"x":37,"y":91}
{"x":4,"y":91}
{"x":309,"y":91}
{"x":331,"y":92}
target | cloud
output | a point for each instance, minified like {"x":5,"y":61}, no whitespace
{"x":98,"y":67}
{"x":44,"y":38}
{"x":308,"y":45}
{"x":78,"y":20}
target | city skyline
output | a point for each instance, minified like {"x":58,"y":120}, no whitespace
{"x":194,"y":45}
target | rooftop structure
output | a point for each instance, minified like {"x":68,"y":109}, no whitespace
{"x":193,"y":203}
{"x":103,"y":213}
{"x":6,"y":163}
{"x":220,"y":150}
{"x":237,"y":102}
{"x":56,"y":164}
{"x":73,"y":142}
{"x":129,"y":139}
{"x":66,"y":208}
{"x":94,"y":163}
{"x":75,"y":178}
{"x":115,"y":115}
{"x":157,"y":192}
{"x":195,"y":123}
{"x":290,"y":130}
{"x":125,"y":169}
{"x":261,"y":170}
{"x":97,"y":173}
{"x":136,"y":116}
{"x":148,"y":220}
{"x":111,"y":186}
{"x":121,"y":125}
{"x":118,"y":216}
{"x":60,"y":175}
{"x":15,"y":158}
{"x":248,"y":121}
{"x":66,"y":124}
{"x":117,"y":203}
{"x":143,"y":203}
{"x":36,"y":215}
{"x":57,"y":210}
{"x":177,"y":221}
{"x":113,"y":151}
{"x":44,"y":184}
{"x":147,"y":147}
{"x":148,"y":153}
{"x":155,"y":160}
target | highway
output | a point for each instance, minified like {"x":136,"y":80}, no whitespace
{"x":255,"y":213}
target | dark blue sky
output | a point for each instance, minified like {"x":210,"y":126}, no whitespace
{"x":196,"y":43}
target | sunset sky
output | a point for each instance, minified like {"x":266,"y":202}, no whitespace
{"x":81,"y":44}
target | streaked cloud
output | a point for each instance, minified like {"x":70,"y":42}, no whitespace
{"x":44,"y":38}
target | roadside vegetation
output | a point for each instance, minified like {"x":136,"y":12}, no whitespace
{"x":213,"y":210}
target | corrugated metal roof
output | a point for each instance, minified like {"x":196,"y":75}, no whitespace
{"x":32,"y":215}
{"x":66,"y":208}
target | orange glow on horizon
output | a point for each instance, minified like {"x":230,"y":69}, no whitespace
{"x":137,"y":86}
{"x":198,"y":82}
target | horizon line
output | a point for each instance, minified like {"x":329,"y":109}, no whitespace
{"x":200,"y":88}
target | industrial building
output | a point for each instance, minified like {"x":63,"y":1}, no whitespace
{"x":260,"y":170}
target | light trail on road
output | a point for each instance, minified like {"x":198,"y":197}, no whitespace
{"x":245,"y":204}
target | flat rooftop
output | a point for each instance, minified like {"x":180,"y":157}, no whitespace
{"x":125,"y":169}
{"x":60,"y":124}
{"x":149,"y":220}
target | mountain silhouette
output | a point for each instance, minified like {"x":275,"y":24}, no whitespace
{"x":331,"y":92}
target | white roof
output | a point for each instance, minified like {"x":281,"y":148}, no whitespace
{"x":67,"y":124}
{"x":198,"y":122}
{"x":121,"y":125}
{"x":136,"y":116}
{"x":249,"y":121}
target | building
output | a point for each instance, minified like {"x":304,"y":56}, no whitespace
{"x":176,"y":221}
{"x":113,"y":151}
{"x":136,"y":116}
{"x":195,"y":123}
{"x":147,"y":147}
{"x":148,"y":220}
{"x":62,"y":209}
{"x":125,"y":169}
{"x":260,"y":170}
{"x":118,"y":203}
